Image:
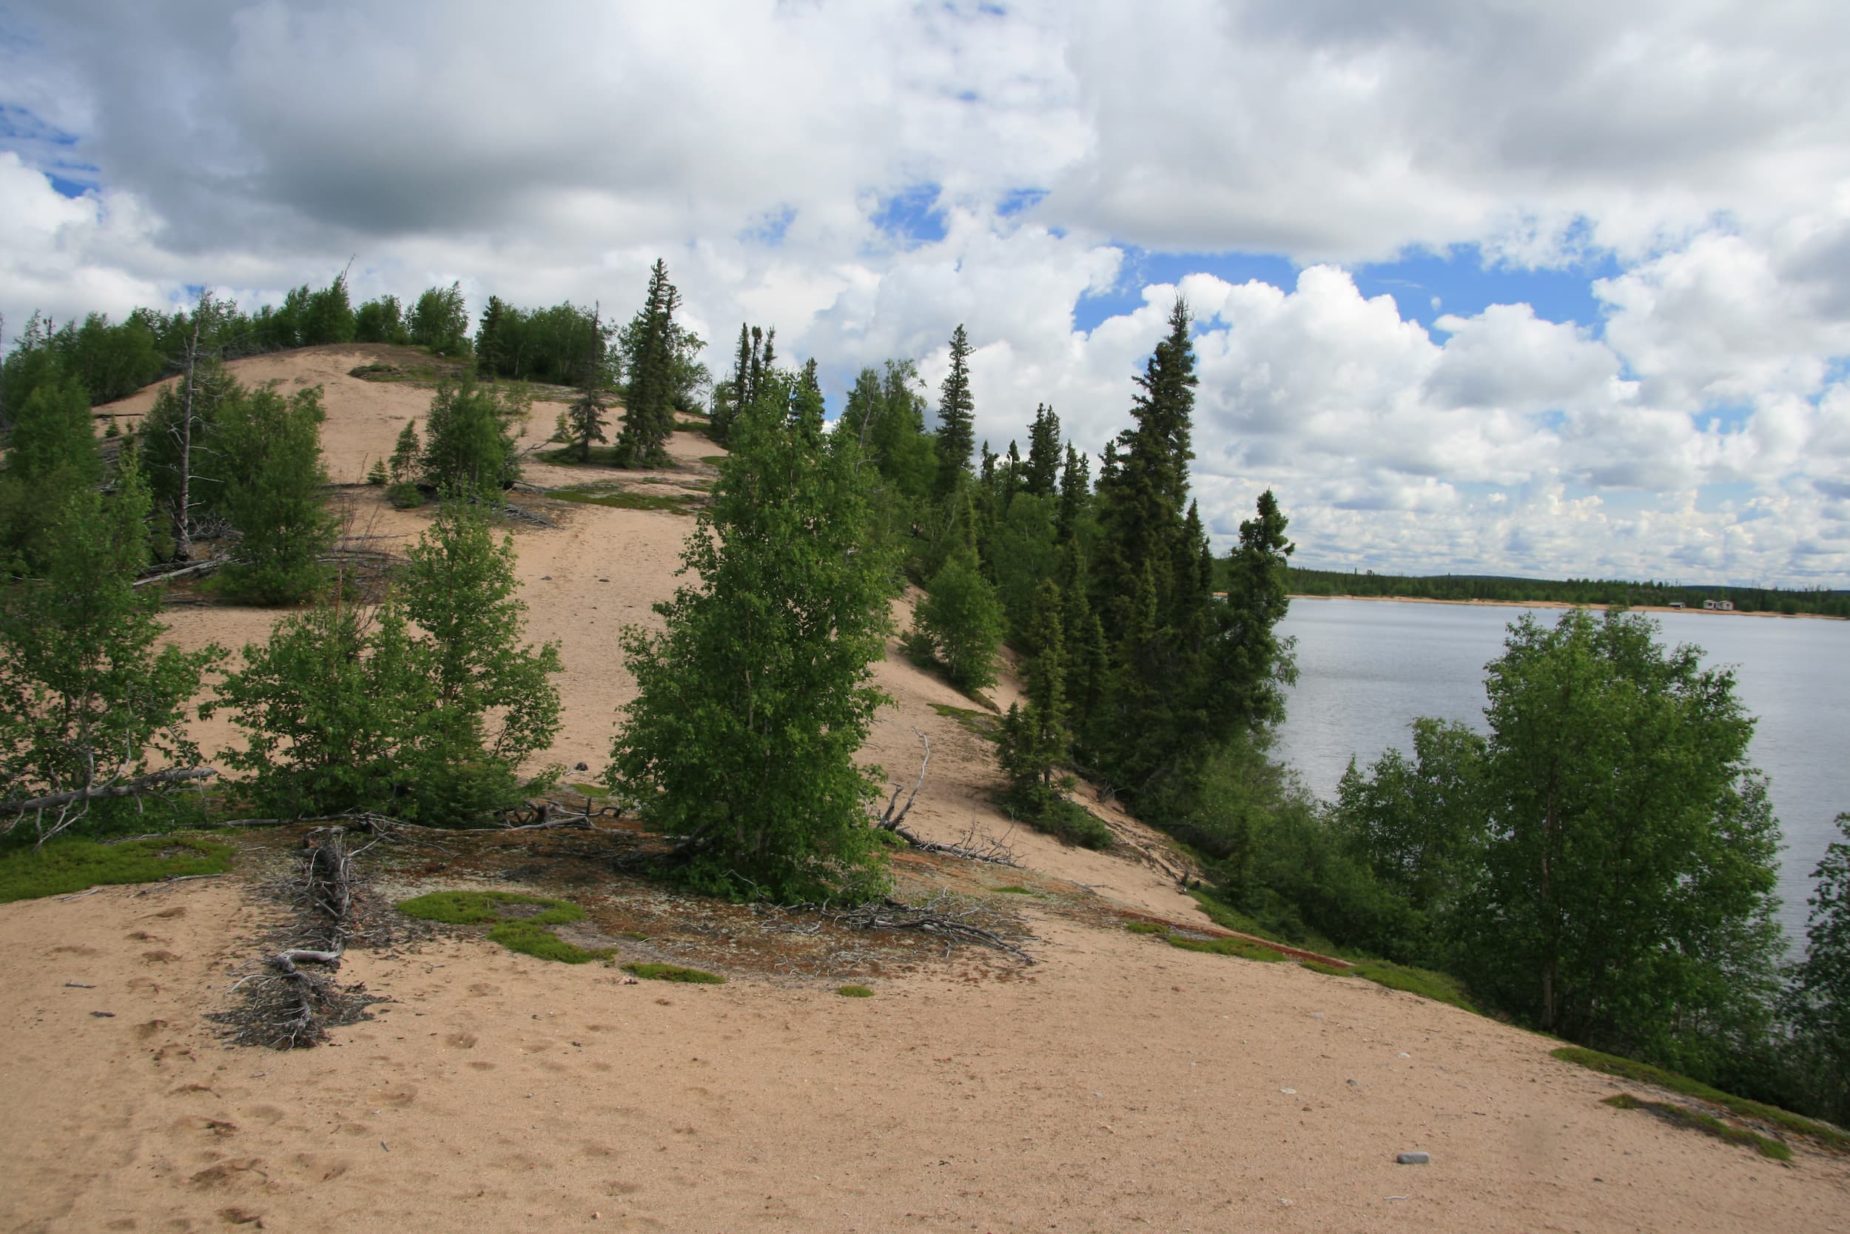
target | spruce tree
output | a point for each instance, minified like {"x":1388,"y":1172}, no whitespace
{"x":1043,"y":470}
{"x":956,"y":418}
{"x":650,"y":350}
{"x":1037,"y":744}
{"x":406,"y":452}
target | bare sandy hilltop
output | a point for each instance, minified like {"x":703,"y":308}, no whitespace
{"x":1098,"y":1079}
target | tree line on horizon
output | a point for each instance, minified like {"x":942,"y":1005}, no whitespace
{"x":1599,"y":865}
{"x":1822,"y":601}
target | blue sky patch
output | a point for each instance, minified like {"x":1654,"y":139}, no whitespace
{"x":1464,"y":285}
{"x":912,"y":215}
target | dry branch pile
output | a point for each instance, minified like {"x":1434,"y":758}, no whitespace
{"x":287,"y":1005}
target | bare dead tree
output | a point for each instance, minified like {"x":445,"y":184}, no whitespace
{"x":973,"y":846}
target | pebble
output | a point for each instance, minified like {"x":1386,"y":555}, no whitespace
{"x":1414,"y":1158}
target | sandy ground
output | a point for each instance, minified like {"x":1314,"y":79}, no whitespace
{"x":1116,"y":1084}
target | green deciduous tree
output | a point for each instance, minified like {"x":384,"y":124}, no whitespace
{"x":1419,"y":822}
{"x":1818,"y":1004}
{"x":424,"y":709}
{"x":469,"y":436}
{"x":269,"y":449}
{"x":756,"y":697}
{"x":962,"y":619}
{"x":440,"y":321}
{"x":54,"y":435}
{"x":88,"y":697}
{"x":1629,"y":868}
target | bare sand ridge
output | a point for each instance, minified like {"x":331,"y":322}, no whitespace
{"x":1117,"y":1084}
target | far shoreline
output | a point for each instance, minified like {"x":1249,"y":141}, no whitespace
{"x":1566,"y":604}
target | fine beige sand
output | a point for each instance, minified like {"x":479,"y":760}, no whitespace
{"x":1115,"y":1084}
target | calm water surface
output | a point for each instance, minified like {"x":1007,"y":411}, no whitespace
{"x":1367,"y":668}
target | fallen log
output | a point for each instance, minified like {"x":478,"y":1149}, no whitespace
{"x":128,"y":788}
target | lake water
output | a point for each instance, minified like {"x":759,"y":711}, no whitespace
{"x":1367,"y":668}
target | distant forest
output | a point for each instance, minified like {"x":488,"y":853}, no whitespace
{"x":1571,"y":591}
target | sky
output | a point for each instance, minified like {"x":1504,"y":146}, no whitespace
{"x":1552,"y":289}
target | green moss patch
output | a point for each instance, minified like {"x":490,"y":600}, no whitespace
{"x":68,"y":865}
{"x":1645,"y":1073}
{"x":1013,"y":890}
{"x":673,"y":972}
{"x":854,"y":991}
{"x":536,"y":940}
{"x":479,"y":907}
{"x":1143,"y":927}
{"x":1708,"y":1124}
{"x":1328,"y":970}
{"x":517,"y":921}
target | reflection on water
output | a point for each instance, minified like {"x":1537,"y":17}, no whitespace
{"x":1367,"y":668}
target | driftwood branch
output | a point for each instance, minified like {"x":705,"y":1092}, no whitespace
{"x":199,"y":567}
{"x":939,"y":916}
{"x":128,"y":788}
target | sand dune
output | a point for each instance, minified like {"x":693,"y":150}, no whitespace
{"x":1116,"y":1084}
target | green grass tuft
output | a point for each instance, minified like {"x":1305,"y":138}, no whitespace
{"x":1424,"y":982}
{"x":536,"y":940}
{"x":1013,"y":890}
{"x":1328,"y":970}
{"x":478,"y":907}
{"x":1708,"y":1124}
{"x":1143,"y":927}
{"x":1645,"y":1073}
{"x":1240,"y":948}
{"x":621,"y":499}
{"x":981,"y":723}
{"x":673,"y":972}
{"x":68,"y":865}
{"x":855,"y":991}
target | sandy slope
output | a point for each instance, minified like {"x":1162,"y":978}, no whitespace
{"x":1117,"y":1084}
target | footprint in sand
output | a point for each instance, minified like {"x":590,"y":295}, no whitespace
{"x":226,"y":1172}
{"x":142,"y":936}
{"x":481,"y":1066}
{"x":160,"y":955}
{"x":461,"y":1041}
{"x":395,"y":1096}
{"x":144,"y":1031}
{"x":478,"y":989}
{"x":73,"y":949}
{"x":177,"y":910}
